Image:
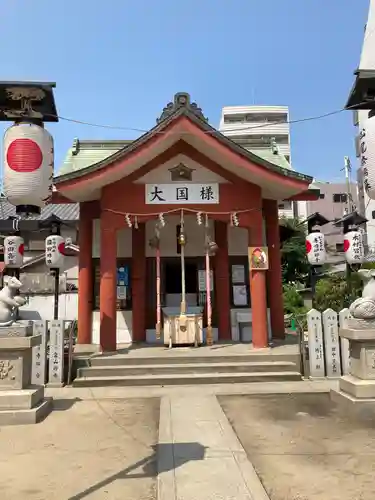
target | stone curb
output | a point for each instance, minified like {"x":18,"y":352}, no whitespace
{"x":166,"y":481}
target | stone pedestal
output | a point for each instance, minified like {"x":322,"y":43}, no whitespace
{"x":20,"y":402}
{"x":358,"y":388}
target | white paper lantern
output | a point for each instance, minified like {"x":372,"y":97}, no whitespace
{"x":55,"y":251}
{"x":28,"y":165}
{"x":367,"y":154}
{"x":315,"y":249}
{"x":353,"y":247}
{"x":13,"y":251}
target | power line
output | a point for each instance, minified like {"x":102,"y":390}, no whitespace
{"x":242,"y":129}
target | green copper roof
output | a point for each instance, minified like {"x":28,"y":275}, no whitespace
{"x":85,"y":153}
{"x":275,"y":158}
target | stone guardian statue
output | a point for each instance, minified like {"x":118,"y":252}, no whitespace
{"x":10,"y":301}
{"x":363,"y":308}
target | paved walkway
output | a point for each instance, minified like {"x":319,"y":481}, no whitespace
{"x":199,"y":455}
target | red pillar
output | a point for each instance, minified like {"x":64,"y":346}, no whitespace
{"x":138,"y":283}
{"x":222,"y":284}
{"x":258,"y":287}
{"x":108,"y":281}
{"x":274,"y":278}
{"x":85,"y":274}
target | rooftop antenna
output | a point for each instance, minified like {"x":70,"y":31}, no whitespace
{"x":253,"y":95}
{"x":348,"y":169}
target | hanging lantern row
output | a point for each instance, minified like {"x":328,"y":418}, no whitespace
{"x":315,"y":248}
{"x":367,"y":155}
{"x":28,"y":166}
{"x":14,"y":251}
{"x":353,"y":247}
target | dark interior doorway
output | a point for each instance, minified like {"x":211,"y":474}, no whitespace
{"x":172,"y":277}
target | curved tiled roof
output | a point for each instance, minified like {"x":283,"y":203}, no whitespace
{"x":104,"y":156}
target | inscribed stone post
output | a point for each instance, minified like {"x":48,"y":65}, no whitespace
{"x":56,"y":354}
{"x":39,"y":354}
{"x":331,"y":343}
{"x":316,"y":352}
{"x":345,"y":349}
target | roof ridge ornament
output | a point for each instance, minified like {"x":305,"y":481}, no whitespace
{"x":181,"y":100}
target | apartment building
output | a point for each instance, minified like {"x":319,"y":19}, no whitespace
{"x":265,"y":131}
{"x":333,"y":203}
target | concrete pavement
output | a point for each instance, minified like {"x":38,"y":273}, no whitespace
{"x":199,"y":455}
{"x":104,"y":442}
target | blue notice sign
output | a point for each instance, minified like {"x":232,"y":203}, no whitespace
{"x":123,"y":276}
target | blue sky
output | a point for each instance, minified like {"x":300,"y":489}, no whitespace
{"x":119,"y":62}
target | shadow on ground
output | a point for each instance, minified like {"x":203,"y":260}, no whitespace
{"x":64,"y":404}
{"x":165,"y":457}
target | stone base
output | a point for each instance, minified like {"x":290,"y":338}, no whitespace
{"x":358,"y":388}
{"x":25,"y":406}
{"x":351,"y":402}
{"x":361,"y":324}
{"x":21,"y":399}
{"x":16,"y":330}
{"x":26,"y":416}
{"x":16,"y":361}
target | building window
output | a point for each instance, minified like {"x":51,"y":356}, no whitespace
{"x":339,"y":247}
{"x":234,"y":119}
{"x":340,"y":198}
{"x":285,"y":205}
{"x":373,"y":214}
{"x":322,"y":196}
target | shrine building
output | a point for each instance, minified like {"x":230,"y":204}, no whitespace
{"x":182,"y":176}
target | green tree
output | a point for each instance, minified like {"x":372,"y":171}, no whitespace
{"x":336,"y":293}
{"x":293,"y":301}
{"x":295,"y":266}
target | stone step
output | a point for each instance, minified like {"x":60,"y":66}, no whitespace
{"x":185,"y":379}
{"x":169,"y":357}
{"x":27,"y":415}
{"x":21,"y":399}
{"x":186,"y":368}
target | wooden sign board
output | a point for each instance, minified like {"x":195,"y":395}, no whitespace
{"x":258,"y":258}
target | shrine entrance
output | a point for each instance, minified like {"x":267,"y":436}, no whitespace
{"x":173,"y":282}
{"x":185,"y":170}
